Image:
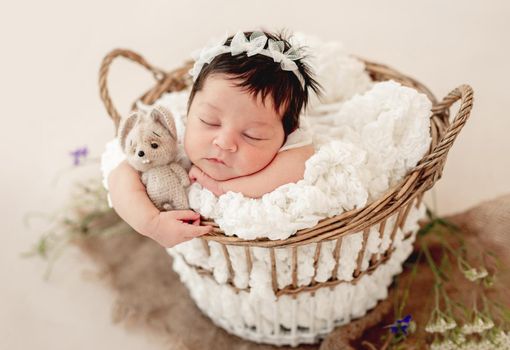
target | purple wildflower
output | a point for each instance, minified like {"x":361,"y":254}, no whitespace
{"x":400,"y":326}
{"x":79,"y":153}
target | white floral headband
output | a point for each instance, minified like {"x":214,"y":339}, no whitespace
{"x":255,"y":45}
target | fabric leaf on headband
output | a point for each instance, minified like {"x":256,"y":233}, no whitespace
{"x":211,"y":44}
{"x":240,"y":44}
{"x":276,"y":50}
{"x":206,"y":55}
{"x":293,"y":54}
{"x":276,"y":45}
{"x":256,"y":34}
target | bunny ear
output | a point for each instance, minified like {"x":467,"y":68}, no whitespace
{"x":125,"y":127}
{"x":164,"y":116}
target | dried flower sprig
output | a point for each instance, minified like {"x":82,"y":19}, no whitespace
{"x":478,"y":329}
{"x":86,"y":214}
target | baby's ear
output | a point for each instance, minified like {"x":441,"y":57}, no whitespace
{"x":163,"y":116}
{"x":125,"y":127}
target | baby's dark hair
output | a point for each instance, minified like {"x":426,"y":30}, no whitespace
{"x":259,"y":74}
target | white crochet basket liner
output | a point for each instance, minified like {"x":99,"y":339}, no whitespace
{"x":245,"y":305}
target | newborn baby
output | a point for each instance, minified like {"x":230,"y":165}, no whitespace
{"x":242,"y":132}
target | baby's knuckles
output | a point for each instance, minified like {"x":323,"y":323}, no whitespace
{"x":206,"y":181}
{"x":193,"y":173}
{"x":168,"y":228}
{"x":164,"y":230}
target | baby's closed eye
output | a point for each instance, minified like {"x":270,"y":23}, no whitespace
{"x":210,"y":123}
{"x":249,"y":135}
{"x":255,"y":138}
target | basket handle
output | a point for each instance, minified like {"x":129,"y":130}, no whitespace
{"x":436,"y":158}
{"x":103,"y":78}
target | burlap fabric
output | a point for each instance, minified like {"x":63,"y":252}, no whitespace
{"x":150,"y":295}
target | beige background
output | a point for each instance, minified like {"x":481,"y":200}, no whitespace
{"x":51,"y":51}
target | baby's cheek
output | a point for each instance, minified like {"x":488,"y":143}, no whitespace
{"x":257,"y":160}
{"x":189,"y":147}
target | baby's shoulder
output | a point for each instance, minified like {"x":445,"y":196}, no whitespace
{"x":300,"y":137}
{"x":297,"y":154}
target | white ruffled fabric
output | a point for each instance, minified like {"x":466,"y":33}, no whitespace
{"x":364,"y":144}
{"x":340,"y":75}
{"x":362,"y":150}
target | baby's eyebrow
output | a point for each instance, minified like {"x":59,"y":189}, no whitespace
{"x":259,"y":123}
{"x":155,"y":134}
{"x":208,"y":104}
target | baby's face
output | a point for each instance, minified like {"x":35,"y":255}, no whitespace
{"x":229,"y":132}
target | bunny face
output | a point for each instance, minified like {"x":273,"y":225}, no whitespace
{"x":149,"y":139}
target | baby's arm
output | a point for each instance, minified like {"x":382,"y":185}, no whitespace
{"x":131,"y":202}
{"x":287,"y":167}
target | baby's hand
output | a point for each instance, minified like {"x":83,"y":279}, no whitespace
{"x":170,"y":228}
{"x":196,"y":174}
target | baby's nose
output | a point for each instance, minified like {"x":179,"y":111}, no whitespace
{"x":141,"y":153}
{"x":225,"y":144}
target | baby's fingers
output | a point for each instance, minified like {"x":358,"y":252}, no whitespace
{"x":184,"y":215}
{"x":192,"y":174}
{"x":192,"y":231}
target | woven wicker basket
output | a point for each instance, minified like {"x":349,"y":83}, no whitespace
{"x":386,"y":216}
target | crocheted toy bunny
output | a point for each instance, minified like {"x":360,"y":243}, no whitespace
{"x":149,"y":140}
